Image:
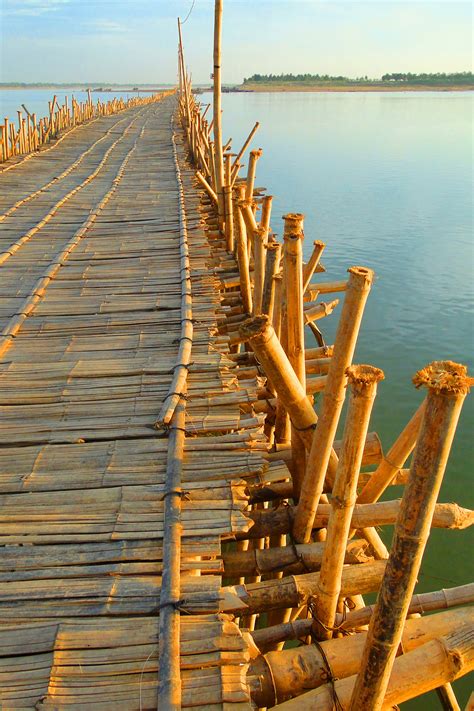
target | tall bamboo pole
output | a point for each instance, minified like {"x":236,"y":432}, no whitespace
{"x":363,"y":381}
{"x":217,"y":111}
{"x":447,"y":385}
{"x":358,"y":287}
{"x":293,"y":256}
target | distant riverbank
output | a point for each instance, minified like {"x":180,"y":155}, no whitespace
{"x":295,"y":86}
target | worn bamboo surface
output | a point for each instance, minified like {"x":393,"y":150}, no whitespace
{"x":84,"y":372}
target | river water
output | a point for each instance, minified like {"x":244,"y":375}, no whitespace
{"x":385,"y":181}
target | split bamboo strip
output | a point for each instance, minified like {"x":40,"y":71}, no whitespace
{"x":362,"y":380}
{"x":447,"y":387}
{"x":360,"y":281}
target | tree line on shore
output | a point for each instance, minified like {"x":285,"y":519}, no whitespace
{"x":406,"y":78}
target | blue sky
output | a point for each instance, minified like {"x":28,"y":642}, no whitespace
{"x":135,"y":40}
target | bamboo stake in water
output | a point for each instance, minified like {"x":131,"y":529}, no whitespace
{"x":363,"y":381}
{"x":359,"y":283}
{"x":447,"y":385}
{"x":312,"y":263}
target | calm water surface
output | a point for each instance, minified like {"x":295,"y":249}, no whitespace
{"x":385,"y":180}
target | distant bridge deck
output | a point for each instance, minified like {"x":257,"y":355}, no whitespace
{"x":90,"y":315}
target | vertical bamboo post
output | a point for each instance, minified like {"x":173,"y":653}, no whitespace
{"x":272,"y":263}
{"x":293,"y":261}
{"x":266,"y":212}
{"x":277,"y":299}
{"x":251,"y":171}
{"x":358,"y":287}
{"x":217,"y":109}
{"x":229,"y":213}
{"x":243,"y":262}
{"x":4,"y":143}
{"x":7,"y":147}
{"x":447,"y":385}
{"x":259,"y":268}
{"x":236,"y":163}
{"x":363,"y":381}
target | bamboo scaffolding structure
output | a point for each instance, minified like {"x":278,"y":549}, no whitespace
{"x":363,"y":388}
{"x":360,"y":280}
{"x":447,"y":387}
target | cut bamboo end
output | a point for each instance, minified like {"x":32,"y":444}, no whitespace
{"x":363,"y":375}
{"x":258,"y":326}
{"x":293,"y":222}
{"x":444,"y":376}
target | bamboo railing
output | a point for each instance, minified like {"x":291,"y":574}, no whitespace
{"x":314,"y":547}
{"x":32,"y":134}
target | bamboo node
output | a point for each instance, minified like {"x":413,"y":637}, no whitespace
{"x":443,"y":376}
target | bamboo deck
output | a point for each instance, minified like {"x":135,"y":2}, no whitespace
{"x":87,"y":360}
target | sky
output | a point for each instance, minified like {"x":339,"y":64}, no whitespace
{"x":135,"y":41}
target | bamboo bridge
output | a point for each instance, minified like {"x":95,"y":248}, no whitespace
{"x":172,"y":509}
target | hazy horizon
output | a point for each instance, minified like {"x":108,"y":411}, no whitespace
{"x":104,"y":42}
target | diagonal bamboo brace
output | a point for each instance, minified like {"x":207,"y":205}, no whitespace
{"x":447,"y":385}
{"x":358,"y":287}
{"x":266,"y":346}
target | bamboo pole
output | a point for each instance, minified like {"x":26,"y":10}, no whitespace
{"x":259,"y":245}
{"x":243,"y":261}
{"x":312,"y":263}
{"x":281,"y":374}
{"x":266,"y":212}
{"x":169,"y":675}
{"x":439,"y":661}
{"x":296,"y":590}
{"x":272,"y":263}
{"x":292,"y":672}
{"x":250,"y":181}
{"x":235,"y":166}
{"x":447,"y":387}
{"x":292,"y":559}
{"x":447,"y":698}
{"x":293,"y":259}
{"x":362,"y":381}
{"x":217,"y":112}
{"x":360,"y":281}
{"x":393,"y":460}
{"x":383,"y":513}
{"x":229,"y":213}
{"x":355,"y":619}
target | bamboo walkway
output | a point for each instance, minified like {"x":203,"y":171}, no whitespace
{"x":90,"y":290}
